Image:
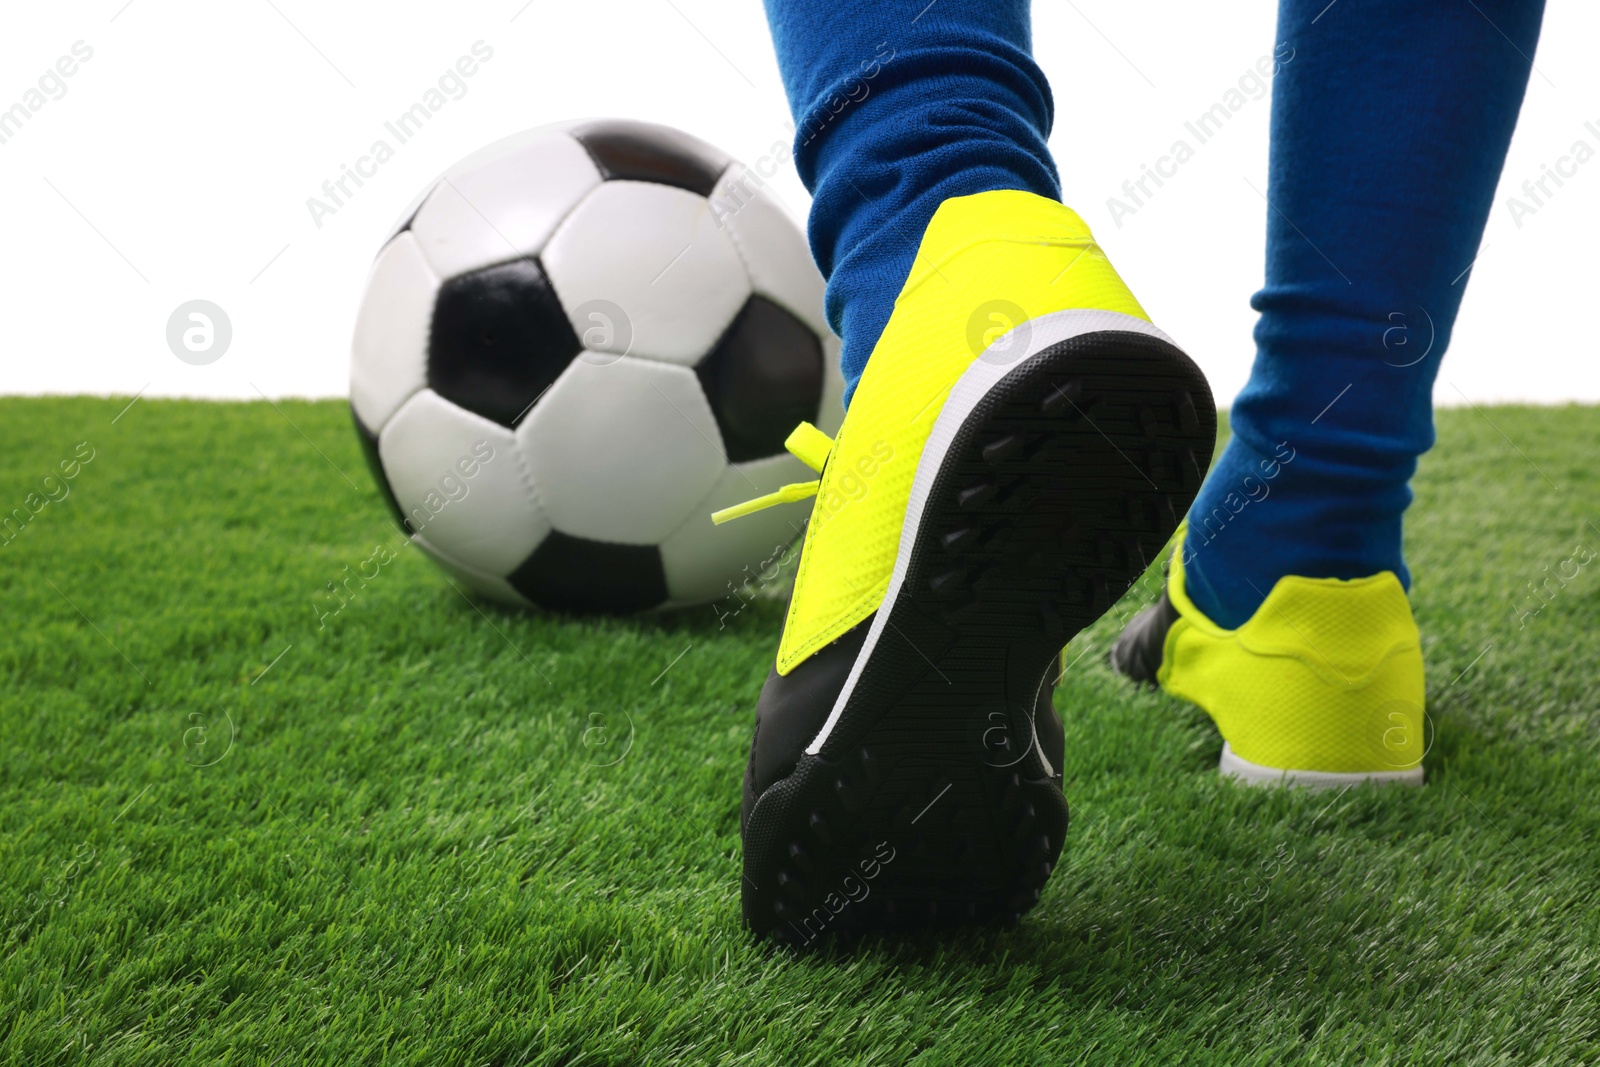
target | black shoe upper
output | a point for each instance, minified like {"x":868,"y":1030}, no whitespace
{"x":1137,"y":652}
{"x":794,"y":706}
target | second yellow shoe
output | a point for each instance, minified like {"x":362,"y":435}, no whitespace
{"x":1018,"y":450}
{"x":1322,"y":687}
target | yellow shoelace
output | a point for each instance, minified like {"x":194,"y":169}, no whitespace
{"x":807,"y":444}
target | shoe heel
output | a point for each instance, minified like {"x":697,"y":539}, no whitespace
{"x":1234,"y":766}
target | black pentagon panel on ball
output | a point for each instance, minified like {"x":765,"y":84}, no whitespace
{"x":763,"y":378}
{"x":623,"y":150}
{"x":369,"y":451}
{"x":498,"y":339}
{"x":575,"y":574}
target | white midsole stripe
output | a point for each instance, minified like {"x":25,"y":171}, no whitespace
{"x":1232,"y":765}
{"x":974,"y":384}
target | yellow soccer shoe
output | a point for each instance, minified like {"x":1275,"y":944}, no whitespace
{"x":1018,"y":449}
{"x":1322,"y":687}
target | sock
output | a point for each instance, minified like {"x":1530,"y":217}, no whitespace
{"x":1390,"y":123}
{"x":898,"y":106}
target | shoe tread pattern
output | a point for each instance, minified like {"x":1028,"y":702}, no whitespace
{"x":1060,"y":487}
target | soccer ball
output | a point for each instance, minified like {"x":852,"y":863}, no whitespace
{"x":580,"y":342}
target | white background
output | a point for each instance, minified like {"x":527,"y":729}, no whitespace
{"x":178,"y":164}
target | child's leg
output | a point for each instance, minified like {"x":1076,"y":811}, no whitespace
{"x":899,"y":107}
{"x":1389,"y":128}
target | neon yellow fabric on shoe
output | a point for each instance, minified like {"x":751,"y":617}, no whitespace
{"x":987,"y":263}
{"x":809,"y":445}
{"x":1325,"y":677}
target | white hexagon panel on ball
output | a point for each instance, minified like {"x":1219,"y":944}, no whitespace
{"x":459,"y":481}
{"x":505,"y":205}
{"x":621,"y":449}
{"x":389,"y":353}
{"x":657,"y":253}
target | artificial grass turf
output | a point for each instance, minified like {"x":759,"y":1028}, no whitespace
{"x":428,"y":832}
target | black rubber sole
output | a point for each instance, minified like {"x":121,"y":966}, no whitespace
{"x":930,"y":802}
